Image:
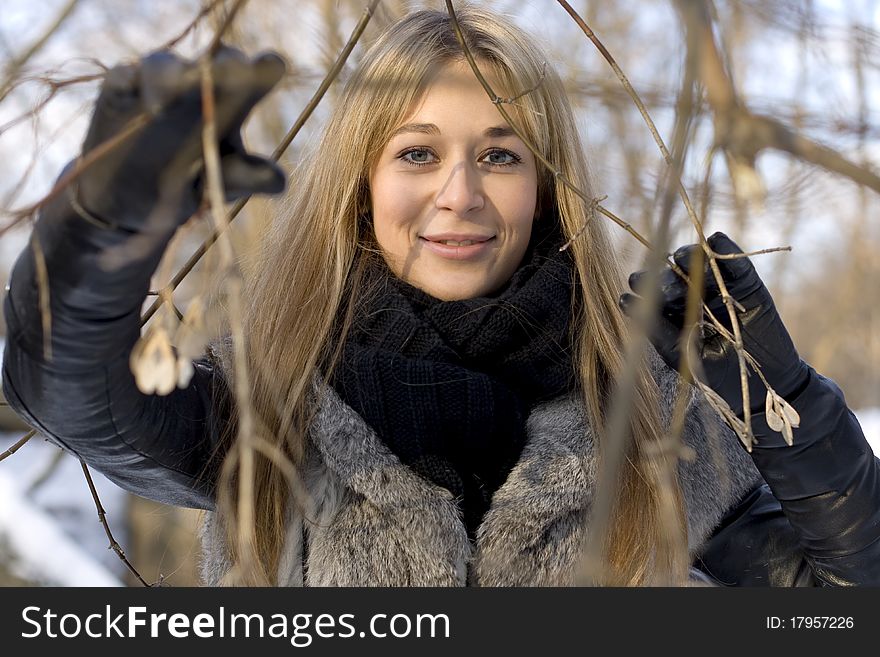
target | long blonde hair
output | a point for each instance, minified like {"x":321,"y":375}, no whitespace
{"x":311,"y":268}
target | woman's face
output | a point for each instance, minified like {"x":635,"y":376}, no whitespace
{"x":454,"y":192}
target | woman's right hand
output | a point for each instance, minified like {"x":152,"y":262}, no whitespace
{"x":153,"y":180}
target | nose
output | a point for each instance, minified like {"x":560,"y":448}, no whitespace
{"x":462,"y":191}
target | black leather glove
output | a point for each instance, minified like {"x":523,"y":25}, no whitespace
{"x":153,"y":180}
{"x":763,"y":333}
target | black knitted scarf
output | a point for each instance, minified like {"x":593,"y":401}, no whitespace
{"x":448,"y":385}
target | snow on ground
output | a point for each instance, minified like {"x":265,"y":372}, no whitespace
{"x":51,"y":534}
{"x":38,"y":550}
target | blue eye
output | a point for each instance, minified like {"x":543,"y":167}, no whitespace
{"x":418,"y":156}
{"x":501,"y":158}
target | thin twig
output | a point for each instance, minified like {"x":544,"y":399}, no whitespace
{"x":671,"y":449}
{"x":21,"y":441}
{"x":512,"y":100}
{"x":189,"y":28}
{"x":102,"y":516}
{"x":749,"y":254}
{"x":55,"y":86}
{"x":595,"y":205}
{"x":16,"y":65}
{"x":217,"y":41}
{"x":233,"y":285}
{"x":82,"y":163}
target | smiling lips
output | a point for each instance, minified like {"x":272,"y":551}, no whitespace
{"x":457,"y":246}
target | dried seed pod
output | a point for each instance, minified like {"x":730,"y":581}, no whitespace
{"x":781,"y":416}
{"x":788,"y":434}
{"x":790,"y":414}
{"x":153,"y":363}
{"x":191,"y":335}
{"x":191,"y":338}
{"x":185,"y":372}
{"x":774,"y":419}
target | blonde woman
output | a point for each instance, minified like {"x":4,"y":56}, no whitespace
{"x":435,"y":372}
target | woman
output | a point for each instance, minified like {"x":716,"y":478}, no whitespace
{"x":419,"y":348}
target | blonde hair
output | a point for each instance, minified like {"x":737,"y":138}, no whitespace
{"x":299,"y":300}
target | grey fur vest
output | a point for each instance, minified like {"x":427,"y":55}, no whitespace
{"x":371,"y":521}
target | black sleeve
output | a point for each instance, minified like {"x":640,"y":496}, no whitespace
{"x":755,"y":545}
{"x":817,"y":521}
{"x":82,"y":395}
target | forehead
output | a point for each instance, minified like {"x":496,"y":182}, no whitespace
{"x":454,"y":99}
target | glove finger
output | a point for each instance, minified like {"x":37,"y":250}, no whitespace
{"x":684,"y":256}
{"x":673,"y":296}
{"x":268,"y":70}
{"x":637,"y":281}
{"x":627,"y":303}
{"x":245,"y":174}
{"x":664,"y":333}
{"x":119,"y":100}
{"x":687,"y":257}
{"x":672,"y":286}
{"x":235,"y":74}
{"x":121,"y":89}
{"x":640,"y":281}
{"x":241,"y":83}
{"x":739,"y":274}
{"x":165,"y":77}
{"x":671,"y":292}
{"x":225,"y":52}
{"x":231,"y":71}
{"x":723,"y":245}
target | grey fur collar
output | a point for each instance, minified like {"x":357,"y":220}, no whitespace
{"x":371,"y":521}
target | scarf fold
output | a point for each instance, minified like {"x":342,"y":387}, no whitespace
{"x":448,"y":385}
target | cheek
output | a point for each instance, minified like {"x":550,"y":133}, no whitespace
{"x":393,"y":205}
{"x":517,"y":204}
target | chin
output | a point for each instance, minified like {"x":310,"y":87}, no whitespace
{"x":457,"y":292}
{"x":444,"y":294}
{"x":454,"y":285}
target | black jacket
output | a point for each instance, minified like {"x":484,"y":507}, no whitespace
{"x":816,"y":520}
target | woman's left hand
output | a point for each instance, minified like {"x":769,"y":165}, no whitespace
{"x":763,"y":333}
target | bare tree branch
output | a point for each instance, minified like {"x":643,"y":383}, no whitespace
{"x":102,"y":517}
{"x":16,"y":64}
{"x":21,"y":441}
{"x":743,"y":134}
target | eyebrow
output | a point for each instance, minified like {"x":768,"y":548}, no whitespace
{"x":423,"y":128}
{"x":499,"y":131}
{"x":431,"y":129}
